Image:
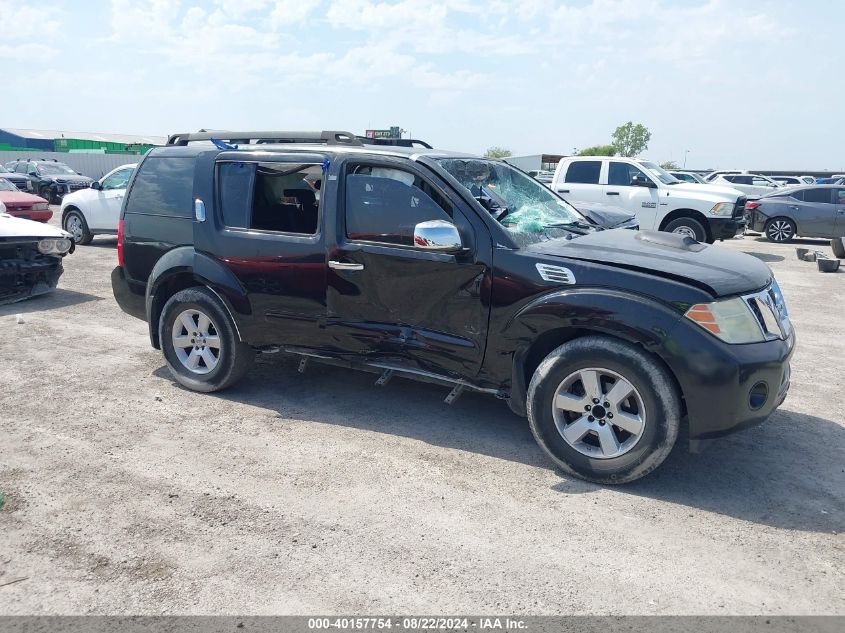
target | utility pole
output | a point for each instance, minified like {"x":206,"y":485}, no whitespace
{"x":686,"y":151}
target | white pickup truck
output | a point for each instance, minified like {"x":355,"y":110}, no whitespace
{"x":660,"y":201}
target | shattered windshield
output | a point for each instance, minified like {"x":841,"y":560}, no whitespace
{"x":526,"y":208}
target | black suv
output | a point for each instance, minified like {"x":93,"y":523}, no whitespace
{"x":454,"y":269}
{"x":50,"y":179}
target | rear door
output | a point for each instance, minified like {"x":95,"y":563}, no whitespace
{"x":644,"y":202}
{"x":396,"y":302}
{"x":263,"y":223}
{"x":816,"y":214}
{"x":581,"y":180}
{"x":839,"y":204}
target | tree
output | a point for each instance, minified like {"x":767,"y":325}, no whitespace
{"x":497,"y":152}
{"x":669,"y":165}
{"x":598,"y":150}
{"x":631,"y":139}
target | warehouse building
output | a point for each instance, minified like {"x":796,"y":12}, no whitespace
{"x":15,"y":140}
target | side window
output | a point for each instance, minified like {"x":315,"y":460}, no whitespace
{"x":280,"y":197}
{"x":798,"y":195}
{"x":584,"y":171}
{"x":163,"y":186}
{"x":118,"y":180}
{"x":740,"y":180}
{"x":22,"y":168}
{"x":759,"y":182}
{"x":385,"y":204}
{"x":622,"y":174}
{"x":818,"y":196}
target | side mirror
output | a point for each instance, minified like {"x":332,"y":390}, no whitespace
{"x":437,"y":235}
{"x":642,"y":181}
{"x":96,"y":185}
{"x":33,"y":173}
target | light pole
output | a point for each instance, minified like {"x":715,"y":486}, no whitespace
{"x":686,"y":151}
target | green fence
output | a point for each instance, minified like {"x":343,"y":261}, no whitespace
{"x":82,"y":145}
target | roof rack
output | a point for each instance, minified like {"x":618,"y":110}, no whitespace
{"x":329,"y":137}
{"x":395,"y":142}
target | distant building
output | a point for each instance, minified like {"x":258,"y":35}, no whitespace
{"x":15,"y":139}
{"x":546,"y":162}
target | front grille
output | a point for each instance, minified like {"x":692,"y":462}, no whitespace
{"x":20,"y":183}
{"x":769,"y":308}
{"x":75,"y":186}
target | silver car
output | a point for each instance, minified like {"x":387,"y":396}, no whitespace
{"x":815,"y":211}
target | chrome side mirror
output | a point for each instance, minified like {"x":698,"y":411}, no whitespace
{"x":437,"y":235}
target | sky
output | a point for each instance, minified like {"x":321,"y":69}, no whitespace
{"x":719,"y":83}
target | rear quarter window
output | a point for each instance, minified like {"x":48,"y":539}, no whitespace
{"x":584,"y":171}
{"x":163,"y":186}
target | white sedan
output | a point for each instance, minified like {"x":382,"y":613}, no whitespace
{"x":96,"y":210}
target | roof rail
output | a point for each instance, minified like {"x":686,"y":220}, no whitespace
{"x":396,"y":142}
{"x":329,"y":137}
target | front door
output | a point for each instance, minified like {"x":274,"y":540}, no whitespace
{"x":839,"y":203}
{"x":644,"y":202}
{"x":390,"y":300}
{"x":104,"y":209}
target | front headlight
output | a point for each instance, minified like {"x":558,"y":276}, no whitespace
{"x":730,"y":319}
{"x":40,"y":206}
{"x":722,"y":208}
{"x":51,"y":246}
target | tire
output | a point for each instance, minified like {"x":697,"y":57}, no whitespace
{"x":75,"y":224}
{"x":47,"y":194}
{"x":689,"y":227}
{"x":780,"y":230}
{"x":653,"y":399}
{"x":837,"y":245}
{"x":232,"y":359}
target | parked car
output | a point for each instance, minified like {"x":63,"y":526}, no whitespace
{"x":752,"y":185}
{"x":50,"y":179}
{"x":659,"y":200}
{"x":543,"y":176}
{"x":815,"y":211}
{"x":23,"y":205}
{"x":454,"y":269}
{"x":96,"y":210}
{"x":607,"y":216}
{"x":830,"y":181}
{"x":788,"y":181}
{"x":31,"y":256}
{"x":21,"y":181}
{"x":723,"y":172}
{"x":688,"y":176}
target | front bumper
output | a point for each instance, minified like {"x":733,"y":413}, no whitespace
{"x":726,"y":228}
{"x":721,"y":383}
{"x":129,"y":297}
{"x":24,"y":278}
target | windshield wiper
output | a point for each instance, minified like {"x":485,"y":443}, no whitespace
{"x":570,"y":226}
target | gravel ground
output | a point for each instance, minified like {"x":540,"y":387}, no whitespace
{"x":322,"y":493}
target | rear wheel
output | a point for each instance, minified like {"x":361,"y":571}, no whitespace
{"x":604,"y":410}
{"x":780,"y":230}
{"x":837,"y":244}
{"x":690,"y":227}
{"x":75,"y":224}
{"x":199,"y":342}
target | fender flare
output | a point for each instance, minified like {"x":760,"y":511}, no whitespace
{"x":204,"y":271}
{"x":573,"y":312}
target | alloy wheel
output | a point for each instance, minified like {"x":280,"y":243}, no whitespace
{"x":196,"y":341}
{"x":780,"y":231}
{"x":73,"y":225}
{"x":599,"y":413}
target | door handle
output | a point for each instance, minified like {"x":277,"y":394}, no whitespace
{"x":611,"y":193}
{"x":563,"y":190}
{"x":794,"y":207}
{"x":345,"y":265}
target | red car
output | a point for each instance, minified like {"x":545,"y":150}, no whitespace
{"x":23,"y":205}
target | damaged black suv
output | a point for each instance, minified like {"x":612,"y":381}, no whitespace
{"x":453,"y":269}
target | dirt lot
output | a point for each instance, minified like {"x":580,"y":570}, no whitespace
{"x":323,"y":493}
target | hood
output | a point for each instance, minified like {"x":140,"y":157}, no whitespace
{"x":604,"y":215}
{"x":698,"y":188}
{"x":719,"y":271}
{"x":13,"y":228}
{"x":17,"y":198}
{"x":66,"y":178}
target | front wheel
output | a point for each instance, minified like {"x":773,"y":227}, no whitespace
{"x":199,"y":342}
{"x":780,"y":230}
{"x":47,"y":194}
{"x":604,"y":410}
{"x":689,"y":227}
